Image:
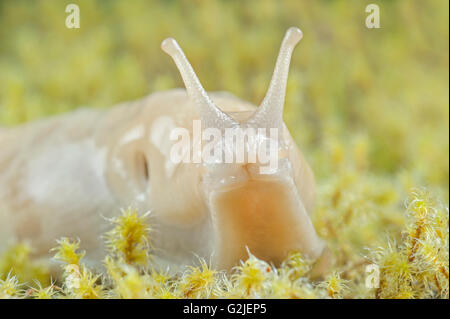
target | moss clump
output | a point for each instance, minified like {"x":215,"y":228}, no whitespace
{"x":129,"y":239}
{"x":17,"y":261}
{"x":9,"y":287}
{"x":78,"y":280}
{"x":417,"y":267}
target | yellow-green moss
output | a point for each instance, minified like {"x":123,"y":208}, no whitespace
{"x":416,"y":267}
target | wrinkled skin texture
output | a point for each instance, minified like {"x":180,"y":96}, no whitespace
{"x":63,"y":175}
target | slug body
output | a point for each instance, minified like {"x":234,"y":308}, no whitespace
{"x":62,"y":176}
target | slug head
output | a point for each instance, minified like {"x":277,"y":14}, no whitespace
{"x":243,"y":144}
{"x":255,"y":200}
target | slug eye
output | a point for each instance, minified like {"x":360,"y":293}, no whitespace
{"x":142,"y":170}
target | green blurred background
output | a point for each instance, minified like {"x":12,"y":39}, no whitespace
{"x":371,"y":101}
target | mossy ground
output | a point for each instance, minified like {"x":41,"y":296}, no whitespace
{"x":368,"y":108}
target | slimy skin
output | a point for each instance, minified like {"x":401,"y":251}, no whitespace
{"x":64,"y":175}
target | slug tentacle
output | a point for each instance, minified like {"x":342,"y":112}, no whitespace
{"x":211,"y":115}
{"x":270,"y":112}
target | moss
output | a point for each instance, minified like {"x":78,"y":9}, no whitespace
{"x":17,"y":261}
{"x":9,"y":287}
{"x":129,"y":239}
{"x":415,"y":267}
